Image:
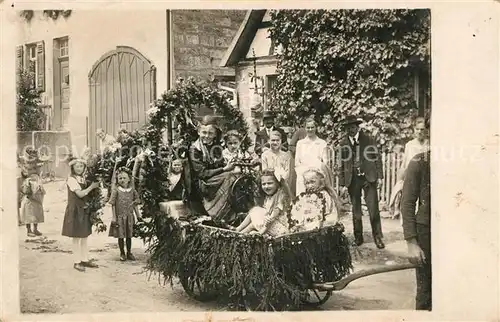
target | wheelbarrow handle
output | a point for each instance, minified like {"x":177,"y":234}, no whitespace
{"x":341,"y":284}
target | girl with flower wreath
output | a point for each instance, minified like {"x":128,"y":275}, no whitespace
{"x":318,"y":205}
{"x":124,"y":202}
{"x":269,"y":218}
{"x":77,"y":223}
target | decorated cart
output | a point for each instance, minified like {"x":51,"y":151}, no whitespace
{"x":210,"y":260}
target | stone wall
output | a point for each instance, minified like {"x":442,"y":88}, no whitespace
{"x":201,"y":38}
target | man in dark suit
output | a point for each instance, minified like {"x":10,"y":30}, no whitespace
{"x":262,"y":136}
{"x":417,"y":224}
{"x":360,"y":169}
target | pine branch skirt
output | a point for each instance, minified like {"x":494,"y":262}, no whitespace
{"x":264,"y":274}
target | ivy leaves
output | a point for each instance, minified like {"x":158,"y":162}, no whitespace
{"x":350,"y":62}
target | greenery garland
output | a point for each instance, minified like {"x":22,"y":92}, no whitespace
{"x":222,"y":259}
{"x":94,"y":201}
{"x":181,"y":105}
{"x":225,"y":262}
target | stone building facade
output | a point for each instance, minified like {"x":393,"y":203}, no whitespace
{"x":106,"y":77}
{"x":201,"y":38}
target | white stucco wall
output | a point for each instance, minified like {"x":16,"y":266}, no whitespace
{"x":91,"y":35}
{"x":245,"y":88}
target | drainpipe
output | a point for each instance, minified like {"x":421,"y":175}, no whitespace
{"x":170,"y":63}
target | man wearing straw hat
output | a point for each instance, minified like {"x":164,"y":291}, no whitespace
{"x":361,"y":170}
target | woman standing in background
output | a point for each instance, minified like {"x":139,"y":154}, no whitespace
{"x":311,"y":152}
{"x":419,"y":144}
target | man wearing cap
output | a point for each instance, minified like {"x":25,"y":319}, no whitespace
{"x":360,"y":169}
{"x":262,"y":136}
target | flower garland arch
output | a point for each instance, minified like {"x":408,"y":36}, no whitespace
{"x":179,"y":105}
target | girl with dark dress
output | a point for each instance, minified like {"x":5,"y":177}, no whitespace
{"x":124,"y":201}
{"x":213,"y":176}
{"x":76,"y":224}
{"x":175,"y":178}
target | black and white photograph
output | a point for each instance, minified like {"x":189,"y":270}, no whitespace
{"x":238,"y":160}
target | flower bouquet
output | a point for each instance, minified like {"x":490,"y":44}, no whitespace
{"x":96,"y":171}
{"x":307,"y":209}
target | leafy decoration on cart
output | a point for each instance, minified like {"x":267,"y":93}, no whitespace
{"x":259,"y":272}
{"x":94,"y":202}
{"x":181,"y":105}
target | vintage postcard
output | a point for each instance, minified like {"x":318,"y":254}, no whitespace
{"x":249,"y":161}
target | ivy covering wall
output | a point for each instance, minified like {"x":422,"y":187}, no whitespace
{"x":336,"y":63}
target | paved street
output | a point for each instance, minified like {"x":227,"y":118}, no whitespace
{"x":49,"y":284}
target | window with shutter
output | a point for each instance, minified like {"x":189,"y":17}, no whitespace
{"x":40,"y":66}
{"x":31,"y":63}
{"x":19,"y":62}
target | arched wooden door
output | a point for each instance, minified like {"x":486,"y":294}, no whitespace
{"x":122,"y":86}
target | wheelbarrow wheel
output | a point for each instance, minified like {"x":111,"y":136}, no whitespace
{"x":315,"y":298}
{"x":193,"y":285}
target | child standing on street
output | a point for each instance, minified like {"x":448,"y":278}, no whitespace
{"x":124,"y":202}
{"x":20,"y":179}
{"x":31,"y":191}
{"x":77,"y":224}
{"x":32,"y":204}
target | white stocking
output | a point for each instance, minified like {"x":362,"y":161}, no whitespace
{"x":76,"y":250}
{"x":84,"y":249}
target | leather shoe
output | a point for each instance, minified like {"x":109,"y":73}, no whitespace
{"x":379,"y":243}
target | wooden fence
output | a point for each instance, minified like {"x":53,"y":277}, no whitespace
{"x":391,"y":163}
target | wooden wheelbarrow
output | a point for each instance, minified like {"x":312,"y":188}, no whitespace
{"x":341,"y":284}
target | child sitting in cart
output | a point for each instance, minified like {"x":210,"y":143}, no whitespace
{"x":232,"y":152}
{"x":318,"y":206}
{"x":270,"y":218}
{"x":175,"y":206}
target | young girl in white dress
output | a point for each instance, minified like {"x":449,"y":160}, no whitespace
{"x":311,"y":152}
{"x":270,"y":218}
{"x":307,"y":210}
